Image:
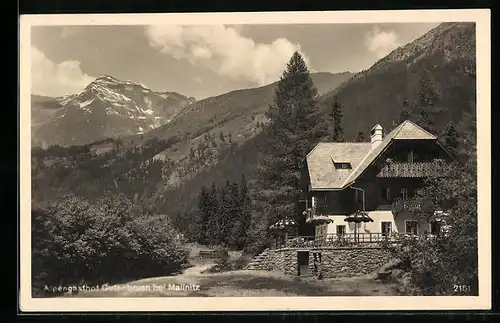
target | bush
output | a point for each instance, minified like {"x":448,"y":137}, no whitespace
{"x":77,"y":241}
{"x":437,"y":265}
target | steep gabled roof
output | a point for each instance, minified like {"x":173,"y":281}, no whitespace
{"x":410,"y":130}
{"x":405,"y":131}
{"x":322,"y":173}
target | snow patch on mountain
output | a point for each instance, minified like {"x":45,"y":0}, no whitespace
{"x":148,"y":102}
{"x":106,"y":94}
{"x":130,"y":106}
{"x":85,"y":103}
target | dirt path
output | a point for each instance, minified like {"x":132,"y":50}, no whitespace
{"x":197,"y":269}
{"x":178,"y":285}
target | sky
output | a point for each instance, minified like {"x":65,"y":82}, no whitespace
{"x":202,"y":61}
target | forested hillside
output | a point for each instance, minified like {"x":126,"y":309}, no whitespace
{"x":445,"y":57}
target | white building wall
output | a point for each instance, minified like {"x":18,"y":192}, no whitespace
{"x":397,"y":224}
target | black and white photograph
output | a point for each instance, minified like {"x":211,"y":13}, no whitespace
{"x":248,"y":163}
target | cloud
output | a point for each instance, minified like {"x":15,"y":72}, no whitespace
{"x":381,"y":42}
{"x":224,"y":50}
{"x":51,"y":79}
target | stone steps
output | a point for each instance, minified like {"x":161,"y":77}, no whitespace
{"x":257,"y":262}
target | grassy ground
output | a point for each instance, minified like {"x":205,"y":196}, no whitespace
{"x":240,"y":283}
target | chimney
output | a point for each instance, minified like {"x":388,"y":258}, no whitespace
{"x":376,"y":136}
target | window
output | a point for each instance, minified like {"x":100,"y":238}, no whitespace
{"x":322,"y":201}
{"x":386,"y":227}
{"x":435,"y":227}
{"x":411,"y":227}
{"x":386,"y":193}
{"x":342,"y":165}
{"x":404,"y":193}
{"x":321,"y":230}
{"x":410,"y":156}
{"x":340,"y":230}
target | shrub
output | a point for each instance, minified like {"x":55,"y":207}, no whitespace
{"x":107,"y":240}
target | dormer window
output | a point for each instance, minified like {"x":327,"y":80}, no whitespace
{"x":342,"y":165}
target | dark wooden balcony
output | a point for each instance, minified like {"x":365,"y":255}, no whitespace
{"x":410,"y":170}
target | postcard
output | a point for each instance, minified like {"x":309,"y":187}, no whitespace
{"x":255,"y":161}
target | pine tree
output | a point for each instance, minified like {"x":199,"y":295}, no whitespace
{"x":405,"y":112}
{"x":467,"y":134}
{"x":295,"y":126}
{"x":225,"y":214}
{"x":242,"y":216}
{"x":192,"y":155}
{"x":213,"y":229}
{"x":232,"y":217}
{"x":201,"y":151}
{"x":361,"y":137}
{"x":450,"y":137}
{"x":336,"y":116}
{"x":204,"y":210}
{"x":427,"y":103}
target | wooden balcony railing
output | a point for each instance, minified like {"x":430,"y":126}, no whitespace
{"x":410,"y":170}
{"x":348,"y":240}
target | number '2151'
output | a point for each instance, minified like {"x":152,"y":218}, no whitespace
{"x":461,"y":288}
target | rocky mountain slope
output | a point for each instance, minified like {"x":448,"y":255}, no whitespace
{"x":107,"y":107}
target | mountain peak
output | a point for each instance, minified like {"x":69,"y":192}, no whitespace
{"x":106,"y":77}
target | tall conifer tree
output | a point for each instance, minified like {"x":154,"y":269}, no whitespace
{"x":336,"y":116}
{"x":427,"y":103}
{"x":405,"y":112}
{"x":450,"y":137}
{"x":295,"y":126}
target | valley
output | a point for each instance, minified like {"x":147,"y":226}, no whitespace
{"x":221,"y":137}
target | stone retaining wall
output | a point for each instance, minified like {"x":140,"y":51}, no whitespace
{"x":347,"y":262}
{"x":331,"y":262}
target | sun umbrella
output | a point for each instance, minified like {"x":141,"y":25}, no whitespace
{"x":282,"y":225}
{"x":358,"y":217}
